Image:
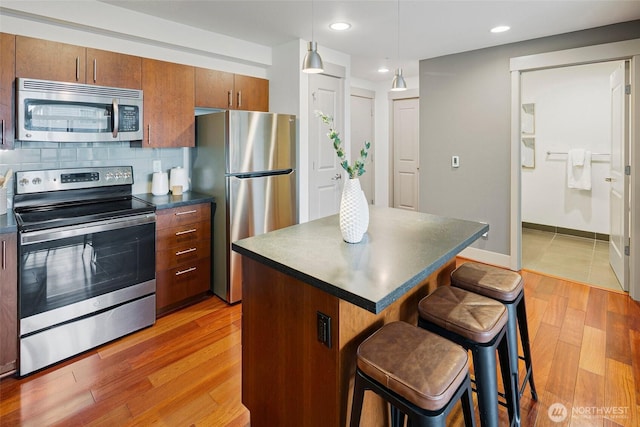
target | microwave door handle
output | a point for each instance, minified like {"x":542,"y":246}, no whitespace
{"x":116,"y":118}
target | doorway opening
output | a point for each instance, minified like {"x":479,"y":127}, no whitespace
{"x":566,"y":204}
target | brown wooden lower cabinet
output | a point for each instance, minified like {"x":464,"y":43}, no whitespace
{"x":183,"y":256}
{"x":8,"y":304}
{"x":290,"y":378}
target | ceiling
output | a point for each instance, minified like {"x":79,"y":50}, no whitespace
{"x":428,"y":28}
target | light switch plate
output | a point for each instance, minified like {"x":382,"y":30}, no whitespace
{"x":157,"y":166}
{"x":455,"y":161}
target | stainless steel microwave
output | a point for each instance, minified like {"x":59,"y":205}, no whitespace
{"x":72,"y":112}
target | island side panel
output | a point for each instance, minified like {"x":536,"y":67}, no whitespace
{"x":356,"y":324}
{"x":289,"y":378}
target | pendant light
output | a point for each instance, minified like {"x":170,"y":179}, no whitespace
{"x":398,"y":84}
{"x":312,"y":62}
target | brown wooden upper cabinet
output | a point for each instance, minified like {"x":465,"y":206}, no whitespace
{"x":219,"y":89}
{"x":7,"y":79}
{"x":106,"y":68}
{"x":169,"y":92}
{"x":48,"y":60}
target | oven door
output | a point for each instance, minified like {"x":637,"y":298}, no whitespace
{"x":69,"y":272}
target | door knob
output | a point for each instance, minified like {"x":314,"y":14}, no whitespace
{"x":337,"y":177}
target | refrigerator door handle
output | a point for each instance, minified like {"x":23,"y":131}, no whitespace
{"x":259,"y":174}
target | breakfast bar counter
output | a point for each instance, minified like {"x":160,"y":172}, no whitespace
{"x":309,"y":300}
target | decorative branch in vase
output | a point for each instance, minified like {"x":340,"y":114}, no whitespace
{"x":354,"y":208}
{"x":357,"y":168}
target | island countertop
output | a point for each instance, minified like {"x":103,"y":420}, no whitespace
{"x":400,"y":249}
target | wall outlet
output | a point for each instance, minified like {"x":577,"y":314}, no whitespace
{"x":324,"y":328}
{"x":157,"y":166}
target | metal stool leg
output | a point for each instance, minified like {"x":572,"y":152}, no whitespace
{"x":524,"y":338}
{"x":467,"y":404}
{"x":358,"y":398}
{"x":510,"y":382}
{"x":484,"y":362}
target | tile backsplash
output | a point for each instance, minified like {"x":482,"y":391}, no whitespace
{"x":53,"y":155}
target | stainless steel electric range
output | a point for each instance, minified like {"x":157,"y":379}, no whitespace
{"x":86,"y":261}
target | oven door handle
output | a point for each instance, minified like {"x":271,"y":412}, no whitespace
{"x":40,"y":236}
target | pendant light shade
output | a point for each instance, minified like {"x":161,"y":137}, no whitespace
{"x":398,"y":82}
{"x":312,"y":62}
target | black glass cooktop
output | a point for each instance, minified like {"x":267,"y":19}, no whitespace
{"x":72,"y":213}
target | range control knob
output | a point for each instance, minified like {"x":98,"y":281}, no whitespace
{"x":36,"y":181}
{"x":23,"y":182}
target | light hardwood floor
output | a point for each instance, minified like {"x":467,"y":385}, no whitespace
{"x":185,"y":370}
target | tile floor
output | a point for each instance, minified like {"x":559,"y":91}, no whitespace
{"x":570,"y":257}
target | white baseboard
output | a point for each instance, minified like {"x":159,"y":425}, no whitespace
{"x":486,"y":257}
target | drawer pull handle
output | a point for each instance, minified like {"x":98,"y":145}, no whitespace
{"x":180,"y":233}
{"x":188,"y":270}
{"x":186,"y":251}
{"x":186,"y":212}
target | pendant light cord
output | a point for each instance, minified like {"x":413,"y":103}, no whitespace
{"x":398,"y":33}
{"x":312,"y":19}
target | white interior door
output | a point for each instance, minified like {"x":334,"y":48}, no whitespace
{"x":618,"y":192}
{"x":361,"y":131}
{"x":325,"y":177}
{"x":406,"y":153}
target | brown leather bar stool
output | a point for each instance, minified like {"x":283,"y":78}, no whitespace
{"x":507,"y":287}
{"x":478,"y":324}
{"x":419,"y":373}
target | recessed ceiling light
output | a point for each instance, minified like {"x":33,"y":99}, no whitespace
{"x":383,"y":70}
{"x":500,"y":29}
{"x":340,"y":26}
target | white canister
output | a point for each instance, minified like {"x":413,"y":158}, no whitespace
{"x":159,"y":184}
{"x":179,"y":177}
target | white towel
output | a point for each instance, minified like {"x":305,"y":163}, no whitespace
{"x":576,"y":156}
{"x":579,"y":176}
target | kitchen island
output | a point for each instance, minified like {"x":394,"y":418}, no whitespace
{"x":309,"y":300}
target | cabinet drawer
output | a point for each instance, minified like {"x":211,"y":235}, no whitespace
{"x":178,"y":284}
{"x":182,"y":255}
{"x":183,"y":235}
{"x":183,"y":215}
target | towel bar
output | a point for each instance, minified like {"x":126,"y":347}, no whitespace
{"x":564,"y":152}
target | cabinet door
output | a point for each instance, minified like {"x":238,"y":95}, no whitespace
{"x":47,"y":60}
{"x":214,"y":89}
{"x":106,"y":68}
{"x":8,"y":303}
{"x":169,"y":99}
{"x":251,"y":93}
{"x":7,"y":86}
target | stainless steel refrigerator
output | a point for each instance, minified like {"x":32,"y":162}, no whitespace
{"x":247,"y":161}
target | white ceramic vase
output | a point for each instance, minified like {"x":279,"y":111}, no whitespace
{"x":354,"y":212}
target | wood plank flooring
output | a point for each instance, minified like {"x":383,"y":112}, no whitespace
{"x":185,"y":370}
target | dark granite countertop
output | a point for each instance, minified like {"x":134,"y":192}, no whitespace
{"x":400,"y":250}
{"x":170,"y":201}
{"x":8,"y":223}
